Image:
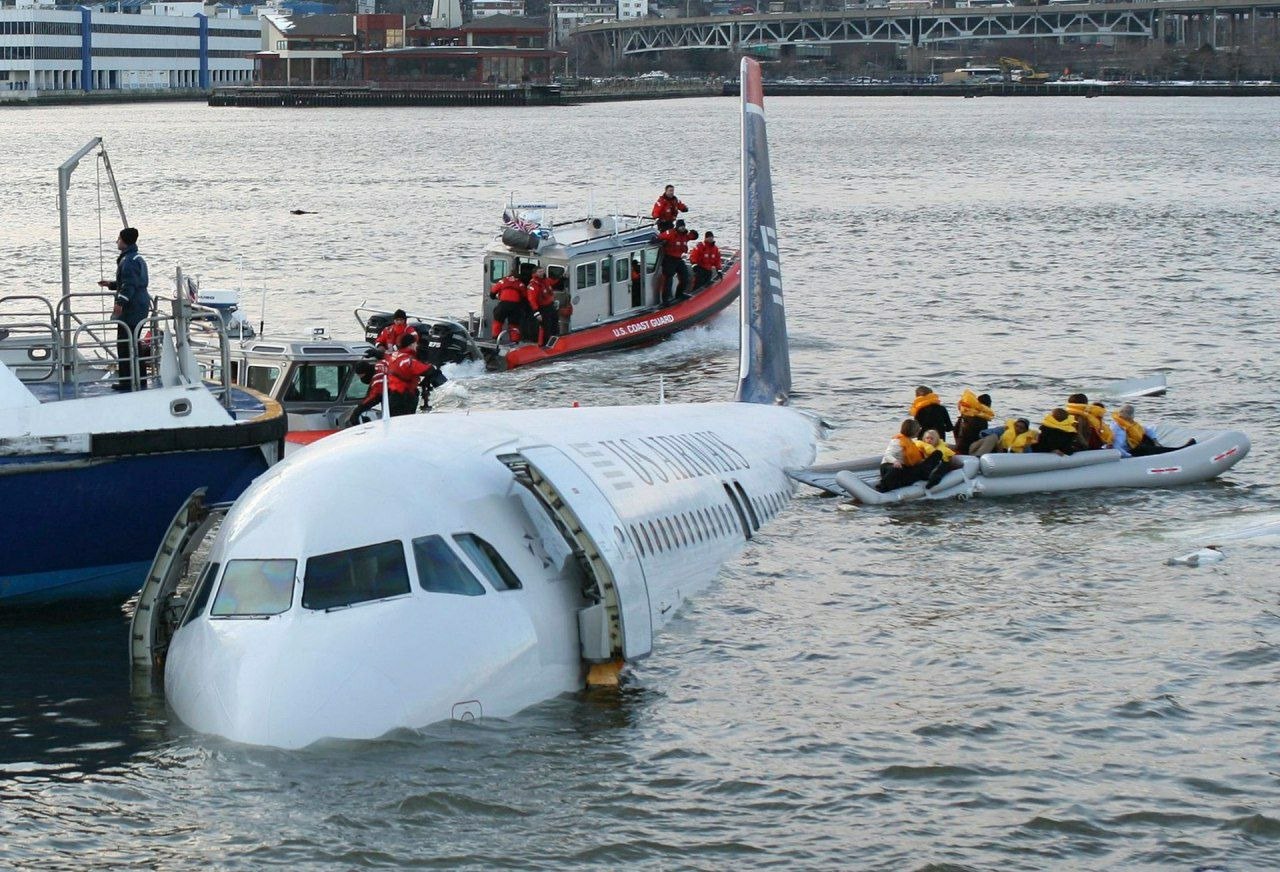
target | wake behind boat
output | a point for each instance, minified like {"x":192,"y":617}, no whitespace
{"x":547,"y":545}
{"x":96,"y":454}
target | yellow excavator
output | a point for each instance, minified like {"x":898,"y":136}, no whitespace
{"x":1027,"y":73}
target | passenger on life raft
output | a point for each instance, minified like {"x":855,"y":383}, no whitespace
{"x":905,"y":462}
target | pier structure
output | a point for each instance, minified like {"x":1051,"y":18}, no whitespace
{"x":1217,"y":23}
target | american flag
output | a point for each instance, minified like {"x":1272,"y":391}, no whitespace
{"x":514,"y":219}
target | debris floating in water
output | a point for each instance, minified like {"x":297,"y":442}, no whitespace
{"x":1208,"y":554}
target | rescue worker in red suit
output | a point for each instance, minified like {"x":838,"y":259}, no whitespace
{"x":668,"y":206}
{"x":510,"y":311}
{"x":706,"y":261}
{"x":371,"y":373}
{"x":389,"y":338}
{"x":404,"y":373}
{"x":542,"y":302}
{"x":675,"y":242}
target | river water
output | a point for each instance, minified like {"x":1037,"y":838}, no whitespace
{"x":1022,"y":684}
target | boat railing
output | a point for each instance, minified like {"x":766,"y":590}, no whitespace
{"x":28,"y":337}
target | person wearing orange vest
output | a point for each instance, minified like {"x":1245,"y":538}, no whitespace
{"x":930,"y":413}
{"x":976,"y":415}
{"x":389,"y":338}
{"x":542,"y":302}
{"x":668,"y":206}
{"x":371,"y":373}
{"x":905,"y":462}
{"x":510,"y":310}
{"x":675,"y":243}
{"x":1134,"y":440}
{"x":706,"y":260}
{"x":404,"y":373}
{"x":1091,"y":421}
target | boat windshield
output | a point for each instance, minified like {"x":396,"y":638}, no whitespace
{"x":255,"y":588}
{"x":318,"y":382}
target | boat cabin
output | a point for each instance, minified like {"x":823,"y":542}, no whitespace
{"x":592,"y":260}
{"x":315,"y":380}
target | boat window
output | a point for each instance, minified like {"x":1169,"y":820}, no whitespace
{"x":343,"y":578}
{"x":356,"y":389}
{"x":317,"y":382}
{"x":255,"y":587}
{"x":497,"y":270}
{"x":489,"y":561}
{"x":558,"y":273}
{"x":200,"y":597}
{"x":440,"y":570}
{"x":621,"y":271}
{"x":604,"y":271}
{"x":586,"y":275}
{"x":650,"y":259}
{"x":262,"y":378}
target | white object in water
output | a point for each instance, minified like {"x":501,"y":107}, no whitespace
{"x":1208,"y":554}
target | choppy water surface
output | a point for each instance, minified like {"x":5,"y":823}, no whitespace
{"x":989,"y":685}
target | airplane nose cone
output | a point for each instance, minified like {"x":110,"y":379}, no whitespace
{"x":235,"y":680}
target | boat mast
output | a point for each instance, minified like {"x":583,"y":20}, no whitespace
{"x":64,"y":184}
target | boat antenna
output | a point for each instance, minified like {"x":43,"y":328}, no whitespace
{"x":102,"y":274}
{"x":262,"y":312}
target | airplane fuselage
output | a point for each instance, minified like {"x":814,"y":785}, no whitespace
{"x":466,"y":565}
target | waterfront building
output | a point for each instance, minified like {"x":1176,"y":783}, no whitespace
{"x":486,"y":8}
{"x":172,"y":46}
{"x":569,"y":16}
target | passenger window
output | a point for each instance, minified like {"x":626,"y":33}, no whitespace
{"x":587,"y":275}
{"x":497,"y":270}
{"x":255,"y":587}
{"x":440,"y":570}
{"x":650,"y":259}
{"x":604,"y":272}
{"x":344,"y":578}
{"x":621,"y":271}
{"x":203,"y":588}
{"x":263,"y":378}
{"x":491,"y":564}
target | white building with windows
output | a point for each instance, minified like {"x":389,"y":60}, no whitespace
{"x":45,"y":49}
{"x":487,"y":8}
{"x":569,"y":16}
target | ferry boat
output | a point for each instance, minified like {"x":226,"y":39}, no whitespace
{"x":601,"y":307}
{"x":91,"y":477}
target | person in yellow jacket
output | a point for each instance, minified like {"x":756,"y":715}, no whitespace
{"x":929,"y":412}
{"x":1091,"y":421}
{"x":904,"y":461}
{"x":930,"y":443}
{"x":1058,"y":434}
{"x":975,"y":416}
{"x":1135,"y":440}
{"x":1015,"y":437}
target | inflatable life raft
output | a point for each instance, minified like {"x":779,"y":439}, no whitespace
{"x":1000,"y":475}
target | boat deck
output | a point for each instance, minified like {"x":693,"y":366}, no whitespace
{"x":245,"y":404}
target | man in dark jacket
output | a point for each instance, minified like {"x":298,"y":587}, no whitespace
{"x":930,"y":413}
{"x":132,"y":305}
{"x":1058,"y":434}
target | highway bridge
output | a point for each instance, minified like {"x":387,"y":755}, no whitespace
{"x":1218,"y":23}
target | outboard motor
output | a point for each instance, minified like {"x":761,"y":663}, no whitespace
{"x":375,"y":325}
{"x":444,"y":343}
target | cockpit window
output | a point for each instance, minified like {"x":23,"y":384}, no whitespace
{"x":343,"y":578}
{"x":203,"y":588}
{"x":440,"y":570}
{"x":255,"y":588}
{"x":488,"y":561}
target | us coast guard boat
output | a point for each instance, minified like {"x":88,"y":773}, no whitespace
{"x":90,"y":477}
{"x":546,"y":543}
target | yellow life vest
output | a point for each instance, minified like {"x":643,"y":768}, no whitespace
{"x":970,"y":407}
{"x":1133,"y":431}
{"x":1093,"y":414}
{"x":1067,"y":426}
{"x":1013,"y":441}
{"x":921,"y":402}
{"x":911,"y":453}
{"x":947,"y":451}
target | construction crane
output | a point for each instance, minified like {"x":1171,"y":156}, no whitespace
{"x":1028,"y":74}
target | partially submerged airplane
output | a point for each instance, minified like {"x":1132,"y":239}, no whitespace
{"x":507,"y":554}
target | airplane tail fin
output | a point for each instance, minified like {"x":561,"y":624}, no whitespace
{"x":764,"y":370}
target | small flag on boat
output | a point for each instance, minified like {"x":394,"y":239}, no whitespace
{"x":514,"y":219}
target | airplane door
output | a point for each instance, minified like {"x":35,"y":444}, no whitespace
{"x":598,"y":537}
